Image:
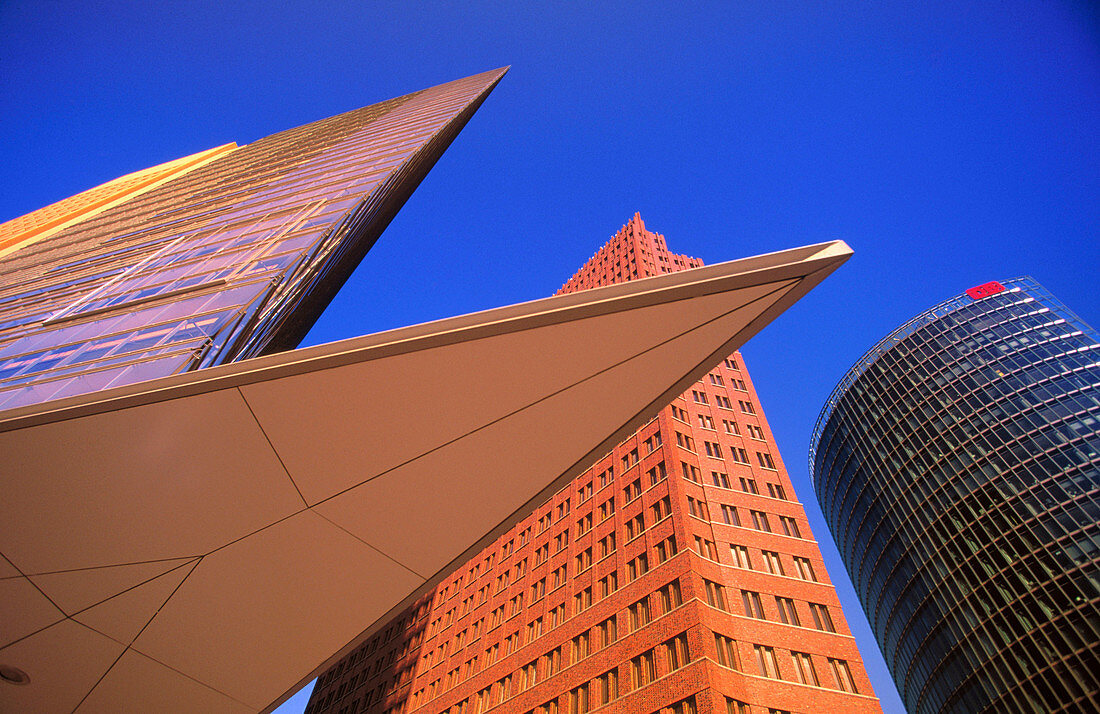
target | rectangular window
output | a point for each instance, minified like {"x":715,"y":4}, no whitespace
{"x":558,"y":577}
{"x":716,"y":594}
{"x":652,"y":442}
{"x":580,"y":647}
{"x":772,"y":562}
{"x":661,"y":509}
{"x":607,"y":687}
{"x":698,"y":509}
{"x":731,"y":427}
{"x":760,"y":521}
{"x":776,"y":491}
{"x":582,"y":600}
{"x":739,"y":455}
{"x":748,"y":485}
{"x":706,"y":548}
{"x":787,"y":614}
{"x":766,"y":661}
{"x":666,"y":549}
{"x":635,"y":527}
{"x":716,"y":379}
{"x":584,"y":524}
{"x":706,"y":421}
{"x":607,"y":509}
{"x":699,"y":397}
{"x":729,"y":515}
{"x":753,"y":606}
{"x":560,"y":541}
{"x":657,"y":474}
{"x":670,"y":597}
{"x":755,"y":432}
{"x":790,"y":526}
{"x":578,"y":700}
{"x":713,"y":450}
{"x":630,"y":459}
{"x":583,"y":561}
{"x":677,"y":653}
{"x":642,"y":669}
{"x":805,"y":568}
{"x":632,"y":491}
{"x":746,"y":407}
{"x":842,"y":675}
{"x":638,"y":567}
{"x":731,"y":363}
{"x":551,"y":662}
{"x":584,"y":492}
{"x":727,"y":651}
{"x":691,"y":473}
{"x":638,"y":614}
{"x":609,"y":632}
{"x":538,"y":589}
{"x":822,"y":619}
{"x":723,"y":401}
{"x":607,"y":545}
{"x":740,"y":556}
{"x":804,"y":668}
{"x":720,"y":479}
{"x":606,"y":477}
{"x":678,"y":413}
{"x":765,"y":460}
{"x":685,"y":442}
{"x":534,"y":629}
{"x":609,"y":584}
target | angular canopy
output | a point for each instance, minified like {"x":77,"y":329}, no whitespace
{"x":210,"y":541}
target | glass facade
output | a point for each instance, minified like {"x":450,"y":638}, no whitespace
{"x":230,"y":259}
{"x":958,"y":467}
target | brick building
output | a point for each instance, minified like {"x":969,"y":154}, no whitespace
{"x":677,"y":575}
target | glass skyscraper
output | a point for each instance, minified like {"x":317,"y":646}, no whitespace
{"x":958,"y":467}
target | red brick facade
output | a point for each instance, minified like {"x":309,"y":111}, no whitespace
{"x":669,"y":577}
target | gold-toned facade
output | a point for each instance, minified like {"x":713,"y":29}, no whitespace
{"x":233,"y":256}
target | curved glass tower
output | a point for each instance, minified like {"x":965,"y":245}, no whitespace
{"x":958,"y":467}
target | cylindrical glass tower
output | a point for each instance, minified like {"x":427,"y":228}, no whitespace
{"x":958,"y":467}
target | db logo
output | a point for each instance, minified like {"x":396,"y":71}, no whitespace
{"x":986,"y":290}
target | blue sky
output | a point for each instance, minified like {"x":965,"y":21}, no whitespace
{"x":948,"y":143}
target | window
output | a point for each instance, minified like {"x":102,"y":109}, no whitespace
{"x":630,"y":459}
{"x":583,"y":561}
{"x":637,"y":567}
{"x":755,"y":432}
{"x":632,"y":491}
{"x":642,"y":669}
{"x":822,"y":619}
{"x":804,"y":668}
{"x":605,"y":477}
{"x":515,"y":605}
{"x":609,"y":632}
{"x":753,"y":606}
{"x":727,"y":651}
{"x":635,"y":527}
{"x":842,"y":675}
{"x":787,"y":614}
{"x":731,"y":363}
{"x":691,"y":473}
{"x":716,"y":594}
{"x":652,"y":442}
{"x":609,"y":584}
{"x":511,"y":643}
{"x":607,"y":687}
{"x":713,"y":450}
{"x":542,"y":553}
{"x":544,"y":523}
{"x":729,"y":515}
{"x":804,"y":568}
{"x":716,"y":379}
{"x":699,"y":397}
{"x":739,"y":385}
{"x":746,"y":407}
{"x":731,"y":427}
{"x":558,"y":577}
{"x":765,"y":460}
{"x":740,"y":556}
{"x":765,"y":660}
{"x":676,"y":652}
{"x":706,"y":421}
{"x":584,"y":492}
{"x":739,"y":455}
{"x":684,"y":706}
{"x":678,"y":413}
{"x":638,"y":614}
{"x":748,"y":485}
{"x":584,"y":524}
{"x":706,"y":548}
{"x":560,"y":541}
{"x":670,"y":597}
{"x":776,"y":491}
{"x":607,"y":509}
{"x":698,"y":509}
{"x":772,"y":562}
{"x":760,"y":521}
{"x":790,"y":526}
{"x":551,"y":662}
{"x":685,"y":442}
{"x":723,"y":401}
{"x":578,"y":700}
{"x":657,"y":474}
{"x":666,"y":549}
{"x":661,"y":509}
{"x":720,"y":479}
{"x":580,"y":647}
{"x":557,"y":615}
{"x":607,"y":545}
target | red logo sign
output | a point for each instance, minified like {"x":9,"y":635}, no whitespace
{"x":986,"y":290}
